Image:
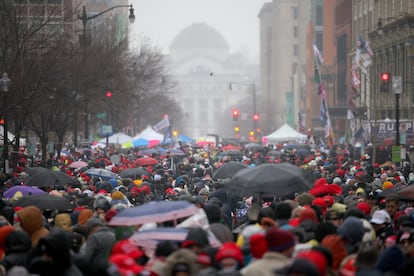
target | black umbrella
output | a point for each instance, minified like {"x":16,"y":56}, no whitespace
{"x":35,"y":170}
{"x":133,"y":173}
{"x":228,"y":169}
{"x":48,"y":178}
{"x":254,"y":147}
{"x":270,"y":180}
{"x":45,"y":202}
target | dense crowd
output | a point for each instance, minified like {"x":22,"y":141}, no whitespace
{"x":356,"y":219}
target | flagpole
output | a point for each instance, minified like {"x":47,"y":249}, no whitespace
{"x":324,"y":103}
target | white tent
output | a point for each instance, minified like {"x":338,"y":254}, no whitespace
{"x":285,"y":134}
{"x":117,"y":138}
{"x":149,"y":134}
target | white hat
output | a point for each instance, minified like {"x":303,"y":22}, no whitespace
{"x":380,"y":217}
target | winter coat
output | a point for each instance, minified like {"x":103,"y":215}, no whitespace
{"x":271,"y":262}
{"x":17,"y":247}
{"x":31,"y":222}
{"x":94,"y":260}
{"x":59,"y":261}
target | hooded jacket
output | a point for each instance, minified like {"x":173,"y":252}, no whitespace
{"x":17,"y":248}
{"x":31,"y":221}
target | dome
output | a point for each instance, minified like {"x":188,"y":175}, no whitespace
{"x":199,"y":35}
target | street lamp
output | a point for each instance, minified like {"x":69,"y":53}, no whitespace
{"x":396,"y":88}
{"x":84,"y":42}
{"x":5,"y":84}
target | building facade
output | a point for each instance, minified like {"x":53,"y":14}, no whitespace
{"x":211,"y":82}
{"x":283,"y":28}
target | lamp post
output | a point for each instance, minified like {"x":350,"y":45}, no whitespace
{"x":5,"y":83}
{"x":84,"y":42}
{"x":396,"y":88}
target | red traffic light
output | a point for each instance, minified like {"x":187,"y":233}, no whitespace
{"x":236,"y":112}
{"x":385,"y":76}
{"x":256,"y":117}
{"x":108,"y":94}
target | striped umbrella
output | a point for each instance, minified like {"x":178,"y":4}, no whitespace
{"x":158,"y":211}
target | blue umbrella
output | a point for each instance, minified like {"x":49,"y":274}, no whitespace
{"x":141,"y":142}
{"x":102,"y":173}
{"x":25,"y":190}
{"x":159,"y":211}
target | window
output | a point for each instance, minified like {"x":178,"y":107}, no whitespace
{"x":295,"y":31}
{"x":319,"y":15}
{"x":295,"y":50}
{"x":319,"y":41}
{"x":295,"y":12}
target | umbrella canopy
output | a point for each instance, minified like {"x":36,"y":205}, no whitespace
{"x":25,"y":190}
{"x":146,"y":161}
{"x":133,"y":173}
{"x":151,"y":237}
{"x":45,"y":202}
{"x":48,"y":178}
{"x":254,"y":147}
{"x":228,"y":170}
{"x":406,"y":193}
{"x":270,"y":180}
{"x":115,"y":159}
{"x":102,"y":173}
{"x":176,"y":152}
{"x":78,"y":164}
{"x":34,"y":170}
{"x":159,"y":211}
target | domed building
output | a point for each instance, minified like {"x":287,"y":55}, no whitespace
{"x":203,"y":67}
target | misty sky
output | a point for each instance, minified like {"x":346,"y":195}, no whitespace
{"x":161,"y":20}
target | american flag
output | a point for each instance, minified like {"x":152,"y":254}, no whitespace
{"x":363,"y":45}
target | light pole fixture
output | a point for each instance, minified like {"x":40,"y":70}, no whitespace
{"x":84,"y":42}
{"x":5,"y":84}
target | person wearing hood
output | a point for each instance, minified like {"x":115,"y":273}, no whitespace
{"x":181,"y":263}
{"x":53,"y":256}
{"x":31,"y":221}
{"x":93,"y":261}
{"x":17,"y":248}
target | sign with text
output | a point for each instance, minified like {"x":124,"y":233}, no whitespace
{"x":106,"y":129}
{"x":386,"y":129}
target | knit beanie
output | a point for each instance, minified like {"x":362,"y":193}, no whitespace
{"x":308,"y":214}
{"x":84,"y":216}
{"x":305,"y":199}
{"x":279,"y":240}
{"x":316,"y":257}
{"x":387,"y":185}
{"x":364,"y":207}
{"x":352,"y":229}
{"x":258,"y":245}
{"x":229,"y":250}
{"x":392,"y":259}
{"x":117,"y":195}
{"x":336,"y":245}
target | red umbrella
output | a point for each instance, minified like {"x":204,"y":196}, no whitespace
{"x":146,"y":161}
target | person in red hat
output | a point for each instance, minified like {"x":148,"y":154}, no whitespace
{"x":229,"y":258}
{"x":281,"y":246}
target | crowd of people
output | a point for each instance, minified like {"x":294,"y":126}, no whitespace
{"x":355,"y":220}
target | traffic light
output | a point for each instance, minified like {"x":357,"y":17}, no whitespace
{"x":256,"y":117}
{"x":385,"y":82}
{"x":108,"y":94}
{"x":175,"y":133}
{"x":251,"y":135}
{"x":236,"y":114}
{"x":236,"y":129}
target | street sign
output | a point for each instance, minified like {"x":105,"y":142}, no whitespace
{"x":396,"y":84}
{"x":106,"y":129}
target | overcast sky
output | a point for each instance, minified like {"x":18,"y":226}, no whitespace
{"x":160,"y":20}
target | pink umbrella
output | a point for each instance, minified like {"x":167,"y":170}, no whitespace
{"x":78,"y":165}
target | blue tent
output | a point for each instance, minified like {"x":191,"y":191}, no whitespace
{"x":185,"y":139}
{"x":141,"y":142}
